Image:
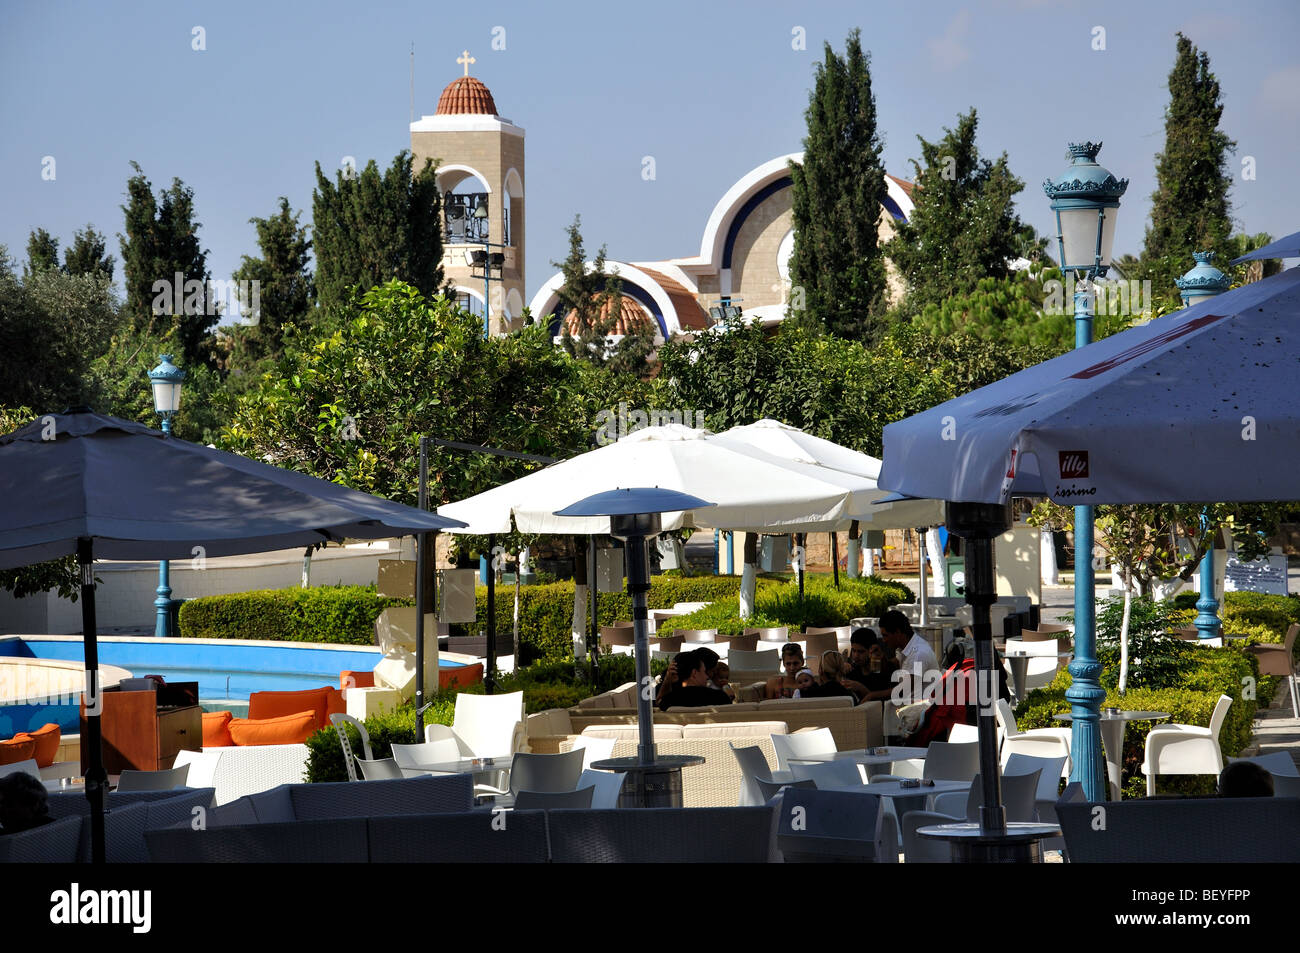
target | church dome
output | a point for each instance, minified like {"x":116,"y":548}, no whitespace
{"x":465,"y":94}
{"x":630,"y":315}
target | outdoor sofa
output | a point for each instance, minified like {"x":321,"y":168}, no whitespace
{"x":128,"y":815}
{"x":667,"y":835}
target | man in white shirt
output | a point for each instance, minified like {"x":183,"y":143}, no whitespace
{"x":915,"y":655}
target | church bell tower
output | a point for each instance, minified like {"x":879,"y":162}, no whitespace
{"x":480,"y":159}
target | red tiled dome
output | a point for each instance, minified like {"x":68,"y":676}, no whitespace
{"x":465,"y":94}
{"x":630,"y":314}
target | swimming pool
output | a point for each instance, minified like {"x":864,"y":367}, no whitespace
{"x":226,"y":670}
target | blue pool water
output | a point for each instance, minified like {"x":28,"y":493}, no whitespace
{"x":225,"y":671}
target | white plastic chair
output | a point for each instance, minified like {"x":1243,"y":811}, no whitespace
{"x":1017,"y":800}
{"x":1036,"y":742}
{"x":338,"y":719}
{"x":27,"y":767}
{"x":411,"y":759}
{"x":1185,"y":749}
{"x":380,"y":769}
{"x":594,"y":749}
{"x":817,"y":742}
{"x":829,"y":774}
{"x":608,"y":786}
{"x":753,"y":768}
{"x":963,"y":734}
{"x":165,"y":780}
{"x":489,"y":726}
{"x":539,"y":773}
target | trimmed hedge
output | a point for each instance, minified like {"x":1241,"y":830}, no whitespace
{"x":778,"y":603}
{"x":546,"y":612}
{"x":342,"y":615}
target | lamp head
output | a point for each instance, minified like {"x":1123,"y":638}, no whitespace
{"x":166,"y":379}
{"x":1085,"y":199}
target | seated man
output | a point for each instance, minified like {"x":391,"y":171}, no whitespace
{"x":692,"y":685}
{"x":915,"y":657}
{"x":870,"y":674}
{"x":783,"y":686}
{"x":23,"y":803}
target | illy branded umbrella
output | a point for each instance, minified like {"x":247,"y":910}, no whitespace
{"x":101,"y":487}
{"x":1198,"y":406}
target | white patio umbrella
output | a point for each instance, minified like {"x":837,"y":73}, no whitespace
{"x":791,"y":443}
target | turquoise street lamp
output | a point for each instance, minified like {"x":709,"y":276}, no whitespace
{"x":1085,"y":199}
{"x":1201,"y":282}
{"x":166,"y":380}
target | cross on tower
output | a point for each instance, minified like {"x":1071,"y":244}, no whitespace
{"x":465,"y":60}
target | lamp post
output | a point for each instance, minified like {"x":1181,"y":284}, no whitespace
{"x":634,"y":516}
{"x":490,"y":259}
{"x":1086,"y":200}
{"x":166,"y":380}
{"x":1201,"y":282}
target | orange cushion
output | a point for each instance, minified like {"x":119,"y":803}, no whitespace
{"x":285,"y":730}
{"x":216,"y":729}
{"x":334,"y":705}
{"x":47,"y":744}
{"x":350,"y":679}
{"x":21,"y":747}
{"x":264,"y":705}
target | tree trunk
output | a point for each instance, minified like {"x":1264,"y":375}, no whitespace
{"x":749,"y":576}
{"x":579,"y":626}
{"x":1123,"y":637}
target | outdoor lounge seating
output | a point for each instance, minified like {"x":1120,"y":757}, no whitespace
{"x":1183,"y":830}
{"x":667,"y":835}
{"x":836,"y":826}
{"x":345,"y":799}
{"x":236,"y":770}
{"x":57,"y":843}
{"x":130,"y":814}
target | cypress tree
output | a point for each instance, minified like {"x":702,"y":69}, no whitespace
{"x":161,"y":242}
{"x":1189,"y":209}
{"x":42,"y":253}
{"x":371,"y":228}
{"x":285,"y":293}
{"x":86,"y":256}
{"x":964,"y":227}
{"x":836,"y":266}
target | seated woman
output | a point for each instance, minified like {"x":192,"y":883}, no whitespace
{"x":692,"y":685}
{"x":783,"y":686}
{"x":829,"y":681}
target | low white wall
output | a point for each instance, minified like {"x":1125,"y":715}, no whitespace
{"x":126,"y":591}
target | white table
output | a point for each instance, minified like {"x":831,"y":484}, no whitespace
{"x":895,"y":791}
{"x":1019,"y":664}
{"x":864,"y":756}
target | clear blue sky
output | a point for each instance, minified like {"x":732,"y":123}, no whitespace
{"x":710,"y":90}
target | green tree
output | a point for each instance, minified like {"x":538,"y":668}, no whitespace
{"x":836,"y":268}
{"x":42,"y":253}
{"x":1189,"y":209}
{"x":52,"y":325}
{"x":350,"y":402}
{"x":166,"y":268}
{"x":372,"y":228}
{"x":285,"y":292}
{"x":593,"y":300}
{"x":964,"y":229}
{"x":87,"y":255}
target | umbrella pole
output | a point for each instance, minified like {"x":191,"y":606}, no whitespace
{"x":638,"y":584}
{"x":835,"y":557}
{"x":593,"y":643}
{"x":802,"y":539}
{"x":980,"y":594}
{"x":490,"y":675}
{"x":421,"y":557}
{"x":924,"y":595}
{"x":93,"y":701}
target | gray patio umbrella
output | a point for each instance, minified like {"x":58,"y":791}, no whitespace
{"x":101,"y":487}
{"x":1286,"y":247}
{"x":1198,"y":406}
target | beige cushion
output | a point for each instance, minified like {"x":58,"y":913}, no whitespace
{"x":553,"y":721}
{"x":751,"y":692}
{"x":597,"y":701}
{"x":632,"y":732}
{"x":624,"y":696}
{"x":396,"y":670}
{"x":735,"y":729}
{"x":743,"y":706}
{"x":840,"y":701}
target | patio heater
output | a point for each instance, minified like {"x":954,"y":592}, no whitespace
{"x":1201,"y":282}
{"x":166,"y":380}
{"x":634,"y":516}
{"x":1085,"y":200}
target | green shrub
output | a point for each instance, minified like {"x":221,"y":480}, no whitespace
{"x":325,"y":754}
{"x":546,"y":612}
{"x":1259,"y":615}
{"x":336,"y":614}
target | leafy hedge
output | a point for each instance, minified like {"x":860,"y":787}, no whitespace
{"x":338,"y":614}
{"x":778,"y":603}
{"x":546,"y":612}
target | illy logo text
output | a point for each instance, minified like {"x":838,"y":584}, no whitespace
{"x":1074,"y":464}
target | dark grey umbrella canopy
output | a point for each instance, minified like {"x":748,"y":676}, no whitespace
{"x":142,"y":495}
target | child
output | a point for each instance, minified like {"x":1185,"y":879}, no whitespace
{"x":722,"y":679}
{"x":803,"y":680}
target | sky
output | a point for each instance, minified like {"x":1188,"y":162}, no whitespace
{"x":709,"y":90}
